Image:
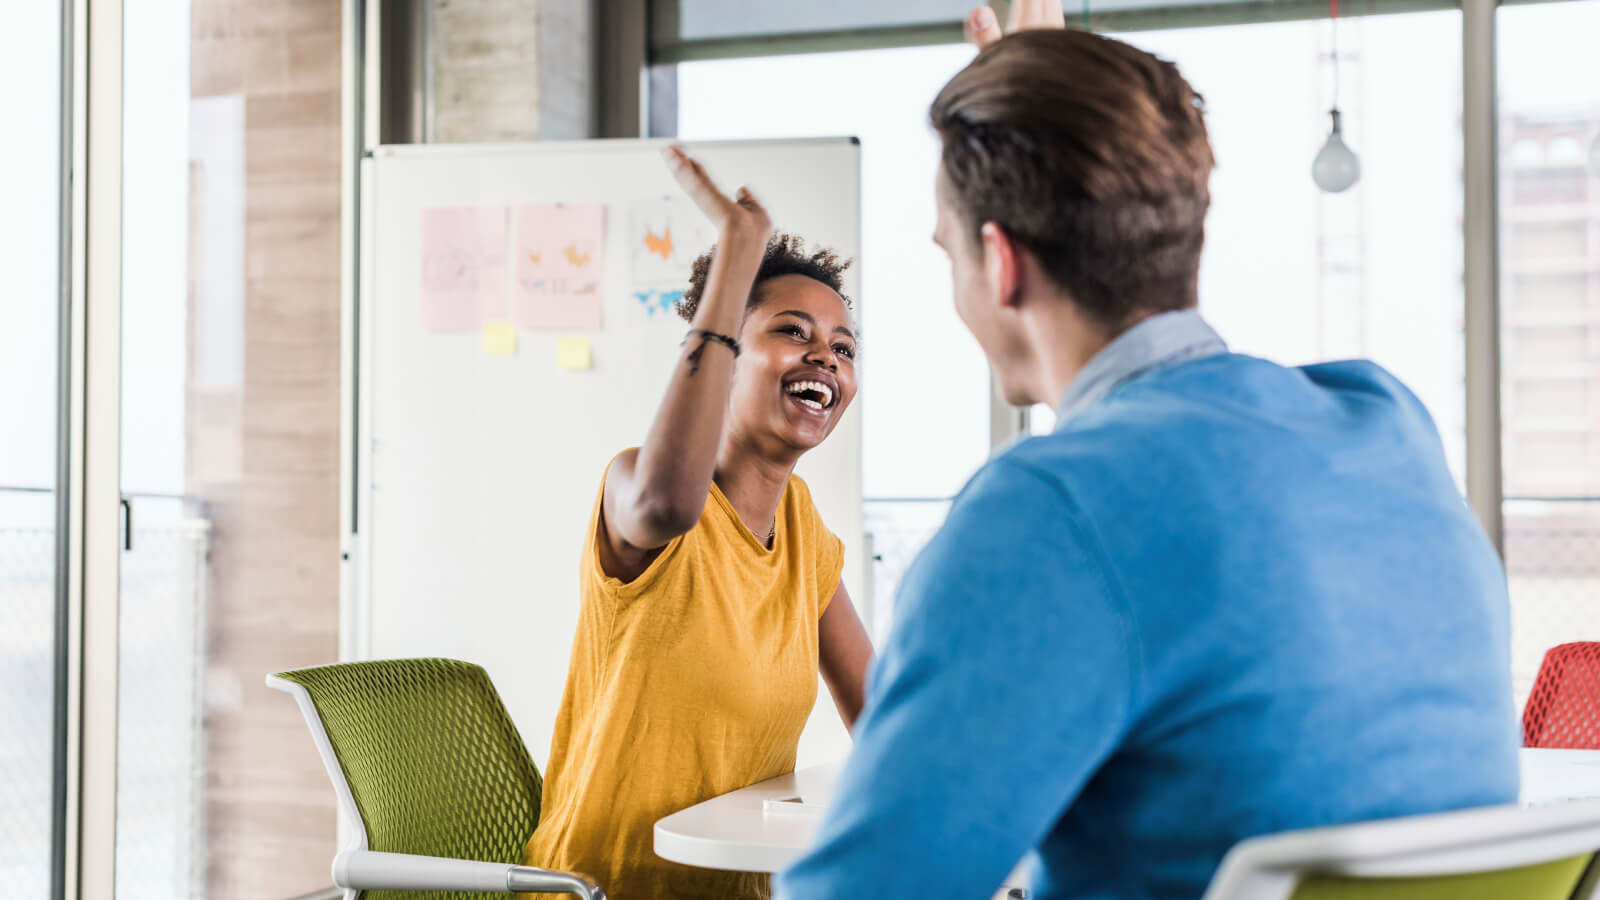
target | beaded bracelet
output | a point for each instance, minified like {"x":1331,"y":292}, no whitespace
{"x":708,"y":337}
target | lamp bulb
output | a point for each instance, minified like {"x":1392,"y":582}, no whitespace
{"x":1336,"y":167}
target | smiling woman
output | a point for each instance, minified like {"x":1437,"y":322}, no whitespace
{"x":796,"y":299}
{"x":711,"y":596}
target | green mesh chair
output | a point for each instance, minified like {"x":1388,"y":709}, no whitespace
{"x":432,"y":772}
{"x":1492,"y":853}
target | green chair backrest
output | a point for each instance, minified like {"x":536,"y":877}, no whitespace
{"x":1555,"y":880}
{"x":433,"y":761}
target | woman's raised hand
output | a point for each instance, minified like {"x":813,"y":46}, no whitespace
{"x":658,"y":493}
{"x":983,"y":28}
{"x":741,"y":218}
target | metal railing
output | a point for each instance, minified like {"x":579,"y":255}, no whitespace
{"x":1553,"y":569}
{"x":900,"y":527}
{"x":27,"y":706}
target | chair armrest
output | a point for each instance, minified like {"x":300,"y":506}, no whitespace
{"x":532,"y":880}
{"x":371,"y":870}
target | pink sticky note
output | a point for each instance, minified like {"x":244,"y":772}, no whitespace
{"x":560,"y":263}
{"x":463,"y":267}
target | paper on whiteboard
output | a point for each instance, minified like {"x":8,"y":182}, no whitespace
{"x":560,"y":263}
{"x":463,"y":267}
{"x":499,"y":339}
{"x":665,"y":235}
{"x":574,"y":353}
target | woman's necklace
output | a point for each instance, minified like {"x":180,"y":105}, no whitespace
{"x":772,"y":534}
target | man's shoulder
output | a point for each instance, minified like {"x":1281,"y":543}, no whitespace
{"x":1179,"y":431}
{"x":1355,"y":375}
{"x":1233,"y":391}
{"x":1368,"y":381}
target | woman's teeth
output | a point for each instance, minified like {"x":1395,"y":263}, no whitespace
{"x":813,"y":387}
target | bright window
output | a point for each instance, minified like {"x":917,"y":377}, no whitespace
{"x":1550,"y":318}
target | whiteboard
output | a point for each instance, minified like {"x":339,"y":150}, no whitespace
{"x":475,"y":475}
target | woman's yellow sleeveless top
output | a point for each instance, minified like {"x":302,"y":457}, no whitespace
{"x":692,"y":680}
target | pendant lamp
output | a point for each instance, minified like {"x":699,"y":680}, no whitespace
{"x":1336,"y":167}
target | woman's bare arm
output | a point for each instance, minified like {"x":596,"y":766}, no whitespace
{"x":845,"y":652}
{"x":657,"y":493}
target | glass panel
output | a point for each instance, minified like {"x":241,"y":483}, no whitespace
{"x":1548,"y":240}
{"x":1550,"y":325}
{"x":899,"y":529}
{"x":229,"y":444}
{"x":724,"y":19}
{"x":29,"y":253}
{"x":1534,"y":297}
{"x":702,"y":19}
{"x":924,"y":380}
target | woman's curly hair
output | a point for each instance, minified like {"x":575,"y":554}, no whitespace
{"x":786,"y":255}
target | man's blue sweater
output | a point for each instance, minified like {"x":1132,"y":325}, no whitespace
{"x":1226,"y":598}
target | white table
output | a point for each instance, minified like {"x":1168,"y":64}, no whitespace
{"x":1553,"y":776}
{"x":735,"y":832}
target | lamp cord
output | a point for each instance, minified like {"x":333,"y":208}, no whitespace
{"x":1333,"y":15}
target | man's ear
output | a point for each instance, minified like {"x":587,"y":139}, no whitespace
{"x":1002,"y":264}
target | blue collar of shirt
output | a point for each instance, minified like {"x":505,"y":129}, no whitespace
{"x":1162,"y":340}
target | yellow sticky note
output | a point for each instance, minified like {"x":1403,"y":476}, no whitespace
{"x":499,"y":339}
{"x":573,"y":353}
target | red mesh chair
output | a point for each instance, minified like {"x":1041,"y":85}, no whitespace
{"x":1563,"y":711}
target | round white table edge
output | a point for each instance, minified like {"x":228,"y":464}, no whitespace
{"x":711,"y":853}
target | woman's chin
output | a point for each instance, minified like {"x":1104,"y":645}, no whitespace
{"x":805,"y":436}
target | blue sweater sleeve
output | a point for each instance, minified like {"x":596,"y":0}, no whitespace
{"x":1007,"y":681}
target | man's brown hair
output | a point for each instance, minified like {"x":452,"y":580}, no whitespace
{"x":1090,"y":153}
